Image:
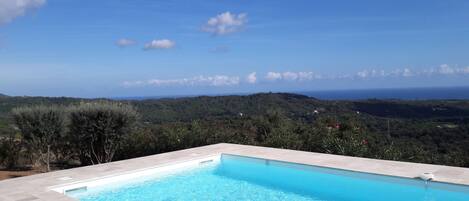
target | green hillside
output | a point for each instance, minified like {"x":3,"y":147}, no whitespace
{"x":419,"y":131}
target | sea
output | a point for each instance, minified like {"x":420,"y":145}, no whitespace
{"x":434,"y":93}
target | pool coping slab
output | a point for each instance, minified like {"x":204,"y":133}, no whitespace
{"x":38,"y":187}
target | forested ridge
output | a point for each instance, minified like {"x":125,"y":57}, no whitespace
{"x":418,"y":131}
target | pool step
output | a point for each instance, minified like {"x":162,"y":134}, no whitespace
{"x":77,"y":190}
{"x":204,"y":162}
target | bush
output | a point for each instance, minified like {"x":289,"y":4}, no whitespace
{"x":142,"y":142}
{"x":42,"y":128}
{"x":98,"y":129}
{"x":10,"y":150}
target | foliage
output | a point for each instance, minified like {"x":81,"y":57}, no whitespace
{"x":417,"y":131}
{"x":10,"y":152}
{"x":42,"y":128}
{"x":97,"y":129}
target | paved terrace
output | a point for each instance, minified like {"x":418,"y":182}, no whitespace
{"x":36,"y":187}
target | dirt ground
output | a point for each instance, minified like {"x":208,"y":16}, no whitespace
{"x":7,"y":174}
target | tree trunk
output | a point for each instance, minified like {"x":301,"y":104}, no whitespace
{"x":48,"y":158}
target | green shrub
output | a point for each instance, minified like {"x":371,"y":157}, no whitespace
{"x":42,"y":128}
{"x":10,"y":150}
{"x":98,"y":129}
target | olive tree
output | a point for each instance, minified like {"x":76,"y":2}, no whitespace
{"x":97,"y":129}
{"x":41,"y":128}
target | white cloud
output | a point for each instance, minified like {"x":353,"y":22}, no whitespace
{"x":159,"y":44}
{"x":395,"y":73}
{"x":344,"y":76}
{"x":290,"y":76}
{"x":158,"y":82}
{"x":363,"y":74}
{"x":368,"y":73}
{"x":225,"y":23}
{"x":10,"y":9}
{"x":133,"y":83}
{"x":272,"y":76}
{"x":307,"y":76}
{"x":446,"y":69}
{"x":466,"y":70}
{"x":251,"y":78}
{"x":125,"y":42}
{"x":377,"y":73}
{"x":443,"y":69}
{"x":407,"y":72}
{"x":216,"y":81}
{"x":223,"y":80}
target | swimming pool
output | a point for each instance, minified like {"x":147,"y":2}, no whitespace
{"x":230,"y":177}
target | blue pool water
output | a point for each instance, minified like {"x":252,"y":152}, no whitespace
{"x":240,"y":178}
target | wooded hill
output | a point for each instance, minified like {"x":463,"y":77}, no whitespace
{"x":419,"y":131}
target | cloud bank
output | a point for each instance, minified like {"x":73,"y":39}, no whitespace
{"x":301,"y":76}
{"x":10,"y":9}
{"x":216,"y":81}
{"x":442,"y":70}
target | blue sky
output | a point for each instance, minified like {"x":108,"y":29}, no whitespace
{"x":90,"y":48}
